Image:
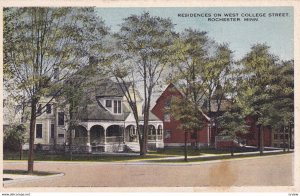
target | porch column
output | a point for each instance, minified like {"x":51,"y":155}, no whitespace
{"x":89,"y":140}
{"x":156,"y":134}
{"x":124,"y":134}
{"x":105,"y":135}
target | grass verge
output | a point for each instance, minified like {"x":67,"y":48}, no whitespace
{"x":79,"y":157}
{"x":220,"y":157}
{"x":25,"y":172}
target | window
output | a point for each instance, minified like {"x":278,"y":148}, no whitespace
{"x":167,"y":103}
{"x":39,"y":131}
{"x":167,"y":117}
{"x":159,"y":130}
{"x":281,"y":145}
{"x":48,"y":109}
{"x":167,"y":134}
{"x":4,"y":102}
{"x":117,"y":107}
{"x":194,"y":135}
{"x":132,"y":130}
{"x":286,"y":136}
{"x":152,"y":130}
{"x":52,"y":131}
{"x":61,"y":135}
{"x":61,"y":118}
{"x":108,"y":103}
{"x":275,"y":136}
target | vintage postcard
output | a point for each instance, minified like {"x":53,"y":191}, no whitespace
{"x":128,"y":96}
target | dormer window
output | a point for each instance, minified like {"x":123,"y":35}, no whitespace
{"x":117,"y":107}
{"x":108,"y":103}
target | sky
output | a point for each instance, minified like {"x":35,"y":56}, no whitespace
{"x":274,"y":25}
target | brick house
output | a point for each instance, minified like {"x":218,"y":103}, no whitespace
{"x":209,"y":134}
{"x":173,"y":135}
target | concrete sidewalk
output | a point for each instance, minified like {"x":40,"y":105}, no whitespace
{"x":205,"y":155}
{"x":16,"y":178}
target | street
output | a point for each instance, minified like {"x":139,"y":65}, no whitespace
{"x":264,"y":171}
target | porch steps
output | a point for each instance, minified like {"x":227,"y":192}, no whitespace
{"x":132,"y":147}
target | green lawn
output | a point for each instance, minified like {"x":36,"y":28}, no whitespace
{"x":167,"y":152}
{"x":179,"y":151}
{"x":221,"y":157}
{"x":23,"y":172}
{"x":77,"y":157}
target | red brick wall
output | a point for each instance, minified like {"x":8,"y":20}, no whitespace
{"x":252,"y":136}
{"x":177,"y":134}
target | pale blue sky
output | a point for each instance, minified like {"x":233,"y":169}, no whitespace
{"x":277,"y":32}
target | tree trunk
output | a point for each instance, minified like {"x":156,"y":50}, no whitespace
{"x":145,"y":135}
{"x":261,"y":131}
{"x":231,"y":149}
{"x":290,"y":136}
{"x":31,"y":135}
{"x":142,"y":148}
{"x":55,"y":129}
{"x":284,"y":143}
{"x":185,"y":146}
{"x":141,"y":141}
{"x":70,"y":145}
{"x":71,"y":127}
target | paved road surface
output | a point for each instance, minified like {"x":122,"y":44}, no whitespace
{"x":269,"y":170}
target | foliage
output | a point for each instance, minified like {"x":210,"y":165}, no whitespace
{"x":260,"y":71}
{"x":144,"y":42}
{"x":42,"y":47}
{"x":267,"y":89}
{"x":41,"y":43}
{"x":191,"y":118}
{"x":232,"y":122}
{"x":14,"y":136}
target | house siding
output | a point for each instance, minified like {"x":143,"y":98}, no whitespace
{"x":173,"y":126}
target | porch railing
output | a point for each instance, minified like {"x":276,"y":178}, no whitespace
{"x":97,"y":141}
{"x":114,"y":139}
{"x":154,"y":137}
{"x":80,"y":140}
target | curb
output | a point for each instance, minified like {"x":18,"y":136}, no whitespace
{"x":31,"y":178}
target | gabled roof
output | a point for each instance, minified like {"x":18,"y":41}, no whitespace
{"x":172,"y":87}
{"x":109,"y":88}
{"x":94,"y":111}
{"x":91,"y":109}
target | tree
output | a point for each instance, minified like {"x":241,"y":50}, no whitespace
{"x":191,"y":119}
{"x":14,"y":138}
{"x":145,"y":42}
{"x":217,"y":74}
{"x":189,"y":54}
{"x":42,"y":47}
{"x":282,"y":93}
{"x":259,"y":68}
{"x":74,"y":94}
{"x":200,"y":68}
{"x":232,"y":123}
{"x":126,"y":80}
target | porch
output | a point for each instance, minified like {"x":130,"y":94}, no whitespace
{"x":113,"y":138}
